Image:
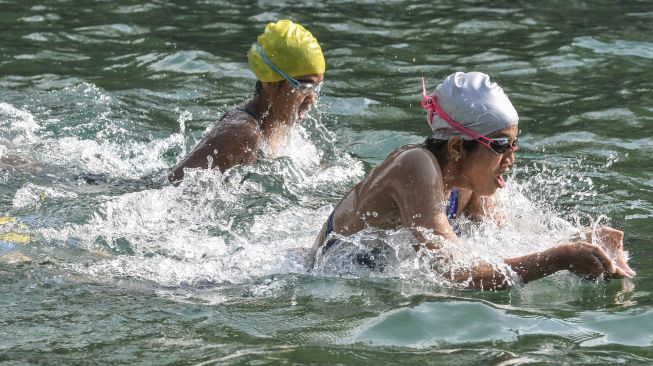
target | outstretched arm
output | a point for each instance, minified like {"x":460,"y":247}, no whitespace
{"x":420,"y":199}
{"x":581,"y":258}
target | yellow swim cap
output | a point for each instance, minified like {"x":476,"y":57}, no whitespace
{"x":290,"y":47}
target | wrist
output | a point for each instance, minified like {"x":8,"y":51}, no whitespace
{"x":557,"y":258}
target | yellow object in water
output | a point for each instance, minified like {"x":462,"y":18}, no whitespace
{"x":12,"y":236}
{"x":6,"y":219}
{"x":16,"y":238}
{"x":291,"y":48}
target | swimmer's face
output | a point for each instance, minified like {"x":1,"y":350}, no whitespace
{"x":485,"y":170}
{"x":302,"y":100}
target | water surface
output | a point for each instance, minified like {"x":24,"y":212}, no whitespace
{"x":99,"y":99}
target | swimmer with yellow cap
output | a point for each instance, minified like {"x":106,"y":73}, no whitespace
{"x":425,"y":187}
{"x":289,"y":66}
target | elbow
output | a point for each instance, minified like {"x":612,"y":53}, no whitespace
{"x":175,"y":176}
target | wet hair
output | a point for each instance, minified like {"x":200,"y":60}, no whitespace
{"x":438,"y":147}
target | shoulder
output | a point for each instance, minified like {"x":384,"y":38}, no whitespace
{"x":239,"y":120}
{"x":237,"y":125}
{"x":407,"y":168}
{"x":413,"y":160}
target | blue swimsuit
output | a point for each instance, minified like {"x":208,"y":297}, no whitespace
{"x":452,"y":205}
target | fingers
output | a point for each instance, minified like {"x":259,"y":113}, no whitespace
{"x":604,"y":259}
{"x":615,"y":270}
{"x":593,"y":261}
{"x":620,"y":273}
{"x":618,"y":269}
{"x":605,"y":265}
{"x":623,"y":265}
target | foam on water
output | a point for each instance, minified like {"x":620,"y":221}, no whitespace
{"x":19,"y":126}
{"x":213,"y":228}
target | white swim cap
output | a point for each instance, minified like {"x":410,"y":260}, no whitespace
{"x":473,"y":101}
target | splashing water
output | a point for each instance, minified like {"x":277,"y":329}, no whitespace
{"x":260,"y":219}
{"x":213,"y":228}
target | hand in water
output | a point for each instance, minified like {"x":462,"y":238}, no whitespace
{"x":588,"y":260}
{"x":612,"y":242}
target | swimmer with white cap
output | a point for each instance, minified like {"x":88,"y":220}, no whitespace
{"x":289,"y":67}
{"x":456,"y":172}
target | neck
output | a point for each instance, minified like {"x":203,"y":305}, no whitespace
{"x":452,"y":176}
{"x":450,"y":169}
{"x":275,"y":118}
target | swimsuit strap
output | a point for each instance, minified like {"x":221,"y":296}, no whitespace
{"x":329,"y":227}
{"x":254,"y":115}
{"x":329,"y":230}
{"x":452,"y":205}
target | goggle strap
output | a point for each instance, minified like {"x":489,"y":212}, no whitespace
{"x":292,"y":81}
{"x":430,"y":102}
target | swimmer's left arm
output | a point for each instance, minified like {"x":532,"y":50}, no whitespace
{"x":581,"y":258}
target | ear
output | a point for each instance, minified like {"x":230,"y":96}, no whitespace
{"x":455,"y":148}
{"x":267,"y":87}
{"x":270,"y":87}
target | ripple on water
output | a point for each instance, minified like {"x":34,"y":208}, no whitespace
{"x":619,"y":48}
{"x":454,"y":322}
{"x":52,"y":55}
{"x":489,"y":27}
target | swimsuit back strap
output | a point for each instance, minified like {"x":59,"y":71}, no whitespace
{"x":452,"y":205}
{"x":329,"y":229}
{"x":256,"y":116}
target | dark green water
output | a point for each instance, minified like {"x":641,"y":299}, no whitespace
{"x":99,"y":99}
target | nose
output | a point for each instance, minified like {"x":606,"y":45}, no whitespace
{"x":508,"y":158}
{"x":310,"y":98}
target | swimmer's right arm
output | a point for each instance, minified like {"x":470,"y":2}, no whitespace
{"x":419,"y":197}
